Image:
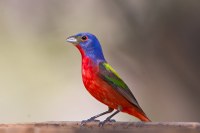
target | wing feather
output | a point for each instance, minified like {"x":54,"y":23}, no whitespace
{"x":108,"y":74}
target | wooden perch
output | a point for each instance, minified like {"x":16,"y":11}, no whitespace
{"x":67,"y":127}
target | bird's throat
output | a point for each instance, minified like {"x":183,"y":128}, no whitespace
{"x":95,"y":56}
{"x":81,"y":51}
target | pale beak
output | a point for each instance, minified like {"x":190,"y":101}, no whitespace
{"x":72,"y":39}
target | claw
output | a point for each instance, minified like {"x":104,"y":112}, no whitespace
{"x":101,"y":124}
{"x":88,"y":120}
{"x":112,"y":120}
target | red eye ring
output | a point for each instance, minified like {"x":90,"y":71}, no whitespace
{"x":84,"y":38}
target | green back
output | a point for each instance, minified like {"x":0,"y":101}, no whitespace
{"x":108,"y":74}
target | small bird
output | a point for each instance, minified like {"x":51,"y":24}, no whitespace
{"x":103,"y":82}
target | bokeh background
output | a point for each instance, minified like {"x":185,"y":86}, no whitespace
{"x":153,"y":45}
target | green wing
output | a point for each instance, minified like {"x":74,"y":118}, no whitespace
{"x":108,"y":74}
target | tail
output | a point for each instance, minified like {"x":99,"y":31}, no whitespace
{"x":138,"y":113}
{"x":143,"y":118}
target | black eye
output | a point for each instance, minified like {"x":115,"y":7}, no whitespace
{"x":84,"y":38}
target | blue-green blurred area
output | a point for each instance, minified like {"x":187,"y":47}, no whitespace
{"x":153,"y":45}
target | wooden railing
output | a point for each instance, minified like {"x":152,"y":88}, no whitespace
{"x":135,"y":127}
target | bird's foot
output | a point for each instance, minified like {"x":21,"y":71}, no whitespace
{"x":92,"y":119}
{"x":101,"y":124}
{"x":112,"y":120}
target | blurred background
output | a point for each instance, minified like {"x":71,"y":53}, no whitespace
{"x":153,"y":45}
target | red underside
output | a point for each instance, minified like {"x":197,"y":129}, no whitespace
{"x":104,"y":93}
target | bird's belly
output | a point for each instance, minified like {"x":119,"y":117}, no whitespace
{"x":103,"y":92}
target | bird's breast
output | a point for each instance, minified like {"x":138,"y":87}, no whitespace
{"x":92,"y":82}
{"x":98,"y":88}
{"x":89,"y":72}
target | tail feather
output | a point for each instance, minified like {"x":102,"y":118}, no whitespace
{"x":143,"y":118}
{"x":138,"y":113}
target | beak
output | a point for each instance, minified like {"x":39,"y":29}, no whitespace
{"x":72,"y":39}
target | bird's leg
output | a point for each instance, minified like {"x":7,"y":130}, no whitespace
{"x":96,"y":116}
{"x":108,"y":119}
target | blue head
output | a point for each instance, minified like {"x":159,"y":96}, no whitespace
{"x":88,"y":45}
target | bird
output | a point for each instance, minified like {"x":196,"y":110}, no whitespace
{"x":103,"y":82}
